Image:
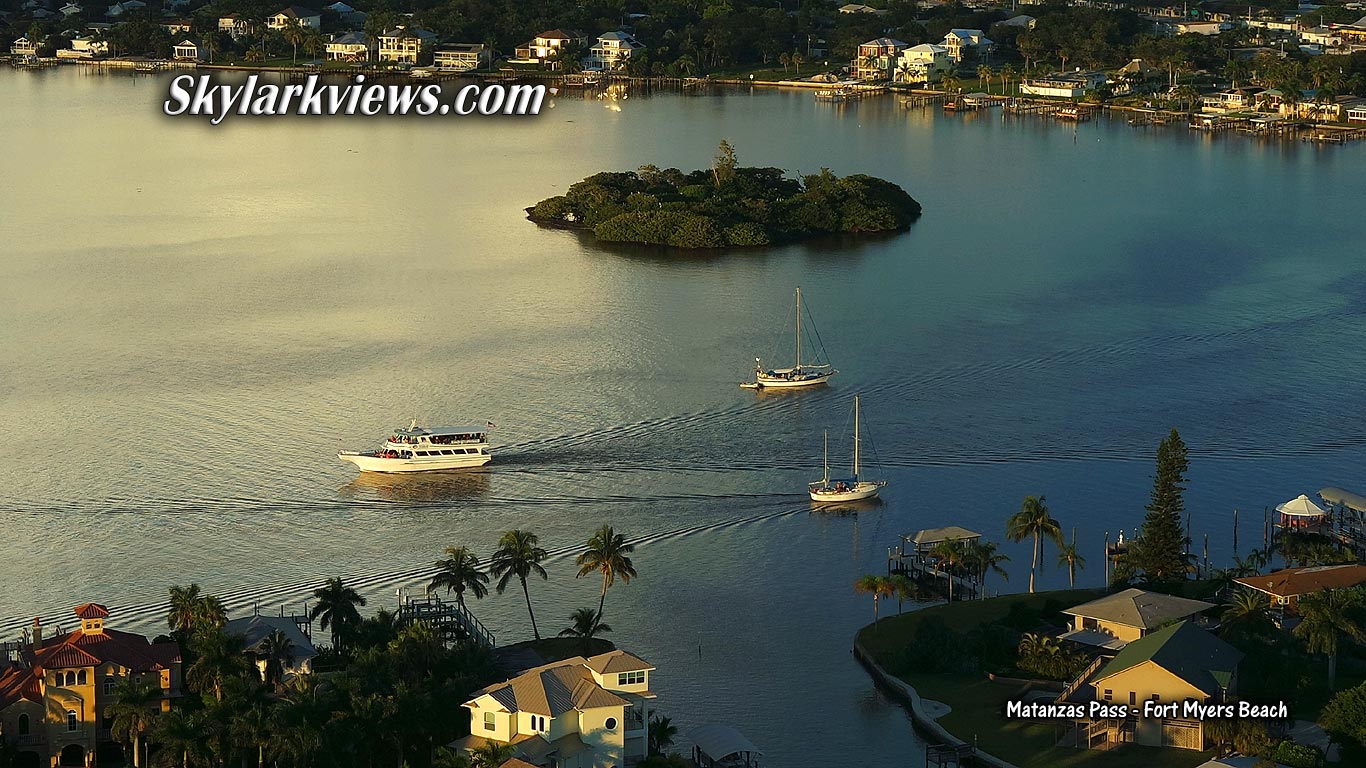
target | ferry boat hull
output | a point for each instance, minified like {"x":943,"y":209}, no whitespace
{"x":370,"y":462}
{"x":822,"y":494}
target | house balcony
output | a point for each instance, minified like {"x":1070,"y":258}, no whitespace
{"x":635,"y":723}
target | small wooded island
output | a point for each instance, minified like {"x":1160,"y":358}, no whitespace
{"x":725,"y":206}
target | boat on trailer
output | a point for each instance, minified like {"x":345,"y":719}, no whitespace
{"x":799,"y":375}
{"x":426,"y":449}
{"x":853,"y":488}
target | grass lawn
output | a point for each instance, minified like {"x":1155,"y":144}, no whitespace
{"x":978,"y":704}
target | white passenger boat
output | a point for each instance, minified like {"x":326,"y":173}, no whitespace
{"x":854,"y":488}
{"x":425,"y":449}
{"x":798,"y":375}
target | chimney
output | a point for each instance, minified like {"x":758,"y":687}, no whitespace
{"x":37,"y":633}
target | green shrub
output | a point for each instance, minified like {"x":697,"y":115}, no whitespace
{"x":1298,"y":755}
{"x":746,"y":233}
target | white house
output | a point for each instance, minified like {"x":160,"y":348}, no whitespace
{"x":121,"y":9}
{"x":23,"y":47}
{"x":1069,"y":85}
{"x":295,"y":16}
{"x":960,"y":41}
{"x":255,"y":632}
{"x":612,"y":50}
{"x":462,"y":57}
{"x":576,"y":713}
{"x":71,"y":9}
{"x":406,"y":46}
{"x":234,"y":25}
{"x":187,"y":50}
{"x":546,"y":46}
{"x":1022,"y":21}
{"x":83,"y":47}
{"x":857,"y":8}
{"x":877,"y":58}
{"x":1356,"y":113}
{"x":177,"y":27}
{"x":352,"y":46}
{"x":924,"y":63}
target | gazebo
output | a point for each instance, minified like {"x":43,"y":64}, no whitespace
{"x":720,"y":746}
{"x":1300,"y":513}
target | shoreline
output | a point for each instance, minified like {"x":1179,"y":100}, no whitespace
{"x":911,"y":699}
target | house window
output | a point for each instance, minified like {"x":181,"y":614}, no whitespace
{"x":1133,"y":698}
{"x":610,"y":724}
{"x":80,"y":677}
{"x":23,"y":724}
{"x":70,"y":678}
{"x":1109,"y":694}
{"x":108,"y":687}
{"x":631,"y":678}
{"x":488,"y":721}
{"x":73,"y":720}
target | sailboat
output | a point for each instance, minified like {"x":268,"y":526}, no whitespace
{"x":798,"y":375}
{"x":848,"y":489}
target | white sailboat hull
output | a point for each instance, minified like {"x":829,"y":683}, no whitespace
{"x":805,"y":379}
{"x":369,"y":462}
{"x":829,"y":494}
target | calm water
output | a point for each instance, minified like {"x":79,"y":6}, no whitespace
{"x":194,"y":319}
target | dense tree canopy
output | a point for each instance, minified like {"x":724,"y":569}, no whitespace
{"x":727,"y":205}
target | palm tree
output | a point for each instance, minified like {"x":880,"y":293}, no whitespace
{"x":294,"y":35}
{"x":1007,"y":74}
{"x":1246,"y":609}
{"x":218,"y":656}
{"x":180,"y":736}
{"x":984,"y":75}
{"x":949,"y":553}
{"x":950,"y":83}
{"x":661,"y":734}
{"x":250,"y":728}
{"x":878,"y":587}
{"x":519,"y":554}
{"x":607,"y":554}
{"x":337,"y":607}
{"x":1033,"y":519}
{"x":903,"y":588}
{"x":458,"y":572}
{"x":785,"y":59}
{"x":797,"y":61}
{"x":186,"y":608}
{"x":314,"y":42}
{"x":277,"y":651}
{"x":1327,"y":616}
{"x":133,"y":713}
{"x":1069,"y":555}
{"x":209,"y":42}
{"x":491,"y":754}
{"x":586,"y":625}
{"x":982,"y":558}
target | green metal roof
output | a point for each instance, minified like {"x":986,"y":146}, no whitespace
{"x":1185,"y":650}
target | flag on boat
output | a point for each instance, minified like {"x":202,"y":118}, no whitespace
{"x":490,"y":425}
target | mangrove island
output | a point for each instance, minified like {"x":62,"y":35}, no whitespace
{"x":726,"y":206}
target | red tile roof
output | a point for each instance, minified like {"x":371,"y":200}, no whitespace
{"x":92,"y":611}
{"x":19,"y":683}
{"x":1299,"y":581}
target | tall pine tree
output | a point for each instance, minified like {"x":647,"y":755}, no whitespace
{"x":1160,"y":551}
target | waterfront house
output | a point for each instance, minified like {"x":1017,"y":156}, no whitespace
{"x":462,"y":57}
{"x":407,"y":45}
{"x":187,"y":50}
{"x":577,"y":713}
{"x":24,"y":47}
{"x":1177,"y":663}
{"x":84,"y":47}
{"x":877,"y":58}
{"x":1114,"y":621}
{"x":1231,"y":100}
{"x":295,"y":16}
{"x":612,"y":50}
{"x":254,"y":631}
{"x":234,"y":25}
{"x":1182,"y":26}
{"x":1356,"y":113}
{"x":960,"y":42}
{"x":1286,"y":586}
{"x":53,"y":697}
{"x":924,"y":63}
{"x":352,"y":46}
{"x":177,"y":26}
{"x":1068,"y":85}
{"x":545,"y":48}
{"x":858,"y":8}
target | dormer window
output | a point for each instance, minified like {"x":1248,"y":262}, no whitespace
{"x":631,"y":678}
{"x":489,"y":721}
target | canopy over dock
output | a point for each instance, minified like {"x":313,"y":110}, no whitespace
{"x":1340,"y":498}
{"x":720,"y":746}
{"x":1300,"y":512}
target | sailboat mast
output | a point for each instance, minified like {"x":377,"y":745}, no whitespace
{"x":855,"y":438}
{"x":799,"y":329}
{"x":825,"y":476}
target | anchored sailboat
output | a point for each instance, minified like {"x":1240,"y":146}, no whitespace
{"x":848,"y":489}
{"x":798,"y":375}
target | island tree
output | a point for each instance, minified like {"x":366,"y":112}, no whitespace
{"x":519,"y":554}
{"x":607,"y":554}
{"x":1034,"y":520}
{"x":1160,"y":550}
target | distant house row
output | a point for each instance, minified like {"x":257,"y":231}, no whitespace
{"x":888,"y":59}
{"x":610,"y":51}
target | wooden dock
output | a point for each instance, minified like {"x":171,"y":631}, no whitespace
{"x":451,"y":620}
{"x":1323,"y":134}
{"x":913,"y":557}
